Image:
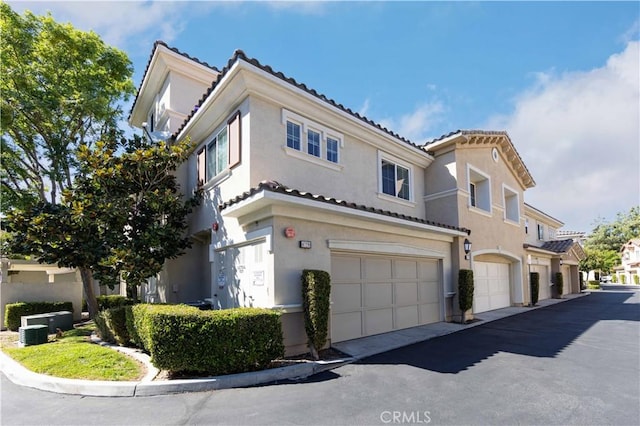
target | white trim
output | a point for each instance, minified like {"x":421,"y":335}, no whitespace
{"x":486,"y":177}
{"x":441,"y":194}
{"x":301,"y":155}
{"x":396,"y":249}
{"x":263,"y":234}
{"x":516,"y":194}
{"x":398,"y":162}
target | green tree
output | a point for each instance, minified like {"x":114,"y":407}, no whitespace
{"x":123,"y":213}
{"x":60,"y":88}
{"x":602,"y":247}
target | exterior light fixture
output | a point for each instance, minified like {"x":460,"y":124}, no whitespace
{"x":467,"y":248}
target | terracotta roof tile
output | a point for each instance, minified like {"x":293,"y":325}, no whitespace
{"x":240,"y":55}
{"x":273,"y":186}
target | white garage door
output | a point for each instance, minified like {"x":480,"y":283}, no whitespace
{"x":375,"y":294}
{"x":545,"y":290}
{"x":491,"y":286}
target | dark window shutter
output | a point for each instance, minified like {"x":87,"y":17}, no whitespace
{"x":234,"y":140}
{"x":200,"y":166}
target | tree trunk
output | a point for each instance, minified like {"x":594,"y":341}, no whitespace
{"x":90,"y":296}
{"x":314,"y":352}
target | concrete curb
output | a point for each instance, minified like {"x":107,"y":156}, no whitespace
{"x":300,"y":370}
{"x":147,"y":387}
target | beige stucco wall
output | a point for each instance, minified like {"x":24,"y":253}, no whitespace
{"x":41,"y":292}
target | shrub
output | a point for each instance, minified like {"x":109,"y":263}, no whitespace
{"x":559,"y":281}
{"x":109,"y":301}
{"x":112,"y":325}
{"x":594,"y":285}
{"x":465,"y":291}
{"x":614,"y":279}
{"x":636,"y":279}
{"x":534,"y":278}
{"x":316,"y":293}
{"x":623,"y":279}
{"x":182,"y":338}
{"x":13,"y":311}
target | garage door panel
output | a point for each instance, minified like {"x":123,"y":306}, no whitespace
{"x":378,"y":294}
{"x":429,"y":291}
{"x":429,"y":313}
{"x":544,"y":290}
{"x":428,"y":270}
{"x":406,"y":293}
{"x":374,"y":294}
{"x":377,"y":269}
{"x":378,"y":321}
{"x":346,"y":297}
{"x":492,"y":289}
{"x":406,"y":269}
{"x":350,"y":326}
{"x":407,"y":316}
{"x":345,"y":269}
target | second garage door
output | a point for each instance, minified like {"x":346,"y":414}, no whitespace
{"x":544,"y":291}
{"x":491,"y":286}
{"x":376,"y":294}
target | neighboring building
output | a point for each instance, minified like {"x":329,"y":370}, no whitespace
{"x":630,"y":267}
{"x":293,"y":180}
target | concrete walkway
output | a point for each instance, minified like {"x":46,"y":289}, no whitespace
{"x":356,"y":349}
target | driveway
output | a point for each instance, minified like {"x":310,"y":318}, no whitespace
{"x":574,"y":363}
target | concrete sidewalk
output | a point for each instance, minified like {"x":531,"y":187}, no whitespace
{"x":356,"y":349}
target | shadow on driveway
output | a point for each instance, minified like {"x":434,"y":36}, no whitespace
{"x":542,"y":332}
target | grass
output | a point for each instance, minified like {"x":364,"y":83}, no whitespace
{"x":73,"y":356}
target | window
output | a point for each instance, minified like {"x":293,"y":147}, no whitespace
{"x":526,"y":226}
{"x":293,"y":135}
{"x":217,"y":154}
{"x":479,"y":189}
{"x":511,"y":205}
{"x":395,"y":180}
{"x":332,"y":150}
{"x":221,"y":153}
{"x":313,"y":143}
{"x":540,"y":231}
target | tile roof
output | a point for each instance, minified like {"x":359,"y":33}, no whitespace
{"x":240,"y":55}
{"x":146,"y":70}
{"x":560,"y":246}
{"x":276,"y":187}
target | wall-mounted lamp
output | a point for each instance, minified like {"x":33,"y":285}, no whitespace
{"x":561,"y":262}
{"x":467,"y":248}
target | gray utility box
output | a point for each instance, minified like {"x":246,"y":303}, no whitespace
{"x":33,"y":335}
{"x":53,"y":320}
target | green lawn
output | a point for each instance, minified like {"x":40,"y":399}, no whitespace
{"x":73,"y":356}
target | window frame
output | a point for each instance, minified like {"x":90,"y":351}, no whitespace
{"x":540,"y":232}
{"x":303,"y":152}
{"x":230,"y":129}
{"x":482,"y":190}
{"x":396,"y":162}
{"x":511,"y":200}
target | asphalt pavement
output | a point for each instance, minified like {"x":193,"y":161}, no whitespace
{"x":572,"y":363}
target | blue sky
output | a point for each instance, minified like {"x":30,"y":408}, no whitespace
{"x":561,"y":77}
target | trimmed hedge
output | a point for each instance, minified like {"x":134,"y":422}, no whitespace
{"x":534,"y":278}
{"x":465,"y":291}
{"x":112,"y":325}
{"x":316,"y":292}
{"x":13,"y":311}
{"x":182,"y":338}
{"x":109,"y":301}
{"x":559,"y":281}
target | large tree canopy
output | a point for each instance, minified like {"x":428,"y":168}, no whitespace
{"x":603,"y":245}
{"x":60,"y":88}
{"x":123,"y":214}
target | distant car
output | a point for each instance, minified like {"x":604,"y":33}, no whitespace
{"x":605,"y":279}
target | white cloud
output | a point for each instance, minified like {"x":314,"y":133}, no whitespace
{"x":417,"y":124}
{"x":579,"y":134}
{"x":364,"y":109}
{"x":120,"y":23}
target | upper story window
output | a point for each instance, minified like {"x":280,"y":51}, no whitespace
{"x":313,"y":143}
{"x":479,"y":189}
{"x":511,"y":204}
{"x":220,"y":154}
{"x":310,"y":141}
{"x":395,"y":178}
{"x":526,"y":226}
{"x":293,"y":135}
{"x":540,"y":231}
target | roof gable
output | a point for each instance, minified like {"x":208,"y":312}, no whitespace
{"x":461,"y":139}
